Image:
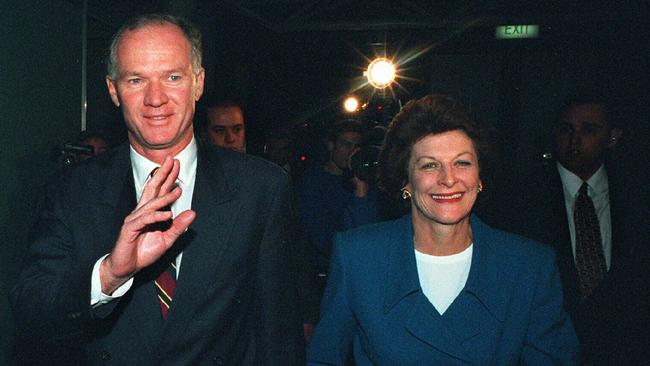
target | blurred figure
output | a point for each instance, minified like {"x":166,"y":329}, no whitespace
{"x":225,"y":124}
{"x":591,"y":213}
{"x":438,"y":286}
{"x":330,"y":199}
{"x":277,"y":148}
{"x":95,"y":139}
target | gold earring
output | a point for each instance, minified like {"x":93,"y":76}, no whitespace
{"x":479,"y":188}
{"x":405,"y":194}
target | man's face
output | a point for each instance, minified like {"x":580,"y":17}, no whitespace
{"x":157,"y":89}
{"x":277,"y":149}
{"x":226,"y":128}
{"x":99,"y":146}
{"x":582,"y":136}
{"x":341,"y":149}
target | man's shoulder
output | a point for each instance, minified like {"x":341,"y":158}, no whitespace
{"x":99,"y":169}
{"x":240,"y":165}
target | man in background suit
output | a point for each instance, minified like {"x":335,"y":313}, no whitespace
{"x":90,"y":292}
{"x":610,"y":316}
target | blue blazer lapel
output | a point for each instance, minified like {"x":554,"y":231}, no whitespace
{"x":476,"y":310}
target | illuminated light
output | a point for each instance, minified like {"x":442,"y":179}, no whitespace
{"x":517,"y":31}
{"x":351,"y":104}
{"x":303,"y":158}
{"x":380,"y":73}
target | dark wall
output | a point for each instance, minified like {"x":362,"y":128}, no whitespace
{"x":40,"y":100}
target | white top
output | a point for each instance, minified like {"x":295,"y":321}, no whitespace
{"x":598,"y":191}
{"x":443,"y":277}
{"x":141,"y":168}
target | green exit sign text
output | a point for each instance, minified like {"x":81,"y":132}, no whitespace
{"x":517,"y":31}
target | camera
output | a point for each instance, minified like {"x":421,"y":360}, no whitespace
{"x":364,"y":162}
{"x":70,"y":153}
{"x":378,"y":114}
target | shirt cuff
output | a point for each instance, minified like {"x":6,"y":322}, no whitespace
{"x":97,"y":297}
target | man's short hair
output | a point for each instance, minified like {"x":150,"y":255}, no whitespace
{"x":588,"y":98}
{"x":209,"y":102}
{"x":343,"y":126}
{"x":192,"y":34}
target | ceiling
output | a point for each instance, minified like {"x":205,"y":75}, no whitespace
{"x":286,"y":16}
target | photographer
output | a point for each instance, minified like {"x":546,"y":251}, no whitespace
{"x":87,"y":145}
{"x":330,"y":198}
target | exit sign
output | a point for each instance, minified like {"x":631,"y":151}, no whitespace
{"x":517,"y":31}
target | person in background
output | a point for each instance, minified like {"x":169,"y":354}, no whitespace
{"x":225,"y":125}
{"x":438,"y":286}
{"x":277,"y":148}
{"x":592,"y":213}
{"x":329,"y":199}
{"x":161,"y":251}
{"x":95,"y":139}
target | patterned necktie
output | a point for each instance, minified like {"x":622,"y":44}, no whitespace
{"x":165,"y":288}
{"x":590,"y":260}
{"x":166,"y":280}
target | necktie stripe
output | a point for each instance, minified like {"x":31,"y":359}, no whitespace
{"x":165,"y":287}
{"x":163,"y":302}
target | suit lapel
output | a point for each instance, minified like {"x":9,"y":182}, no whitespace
{"x":204,"y":244}
{"x":451,"y":332}
{"x":558,"y":224}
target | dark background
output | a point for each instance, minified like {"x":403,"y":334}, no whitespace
{"x":293,"y":61}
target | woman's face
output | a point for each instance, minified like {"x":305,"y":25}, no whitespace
{"x":443,"y":178}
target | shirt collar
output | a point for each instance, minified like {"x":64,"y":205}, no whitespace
{"x":598,"y":182}
{"x":142,"y":166}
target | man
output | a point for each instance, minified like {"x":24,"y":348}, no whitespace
{"x":330,"y":199}
{"x":225,"y":125}
{"x":95,"y":139}
{"x":115,"y":277}
{"x":600,"y":263}
{"x":277,"y":148}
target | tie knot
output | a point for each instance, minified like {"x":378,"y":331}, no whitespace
{"x":584,"y":189}
{"x":153,"y":172}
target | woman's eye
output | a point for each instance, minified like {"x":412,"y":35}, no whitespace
{"x":430,"y":165}
{"x":463,"y":163}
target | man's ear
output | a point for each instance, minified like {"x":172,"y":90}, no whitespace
{"x":614,"y":137}
{"x":200,"y":80}
{"x":112,"y":90}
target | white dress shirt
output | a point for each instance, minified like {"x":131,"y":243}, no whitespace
{"x":142,"y":168}
{"x":598,"y":191}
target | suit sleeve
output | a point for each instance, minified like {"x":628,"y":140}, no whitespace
{"x":51,"y":298}
{"x":332,"y":339}
{"x":550,"y":339}
{"x":279,"y":335}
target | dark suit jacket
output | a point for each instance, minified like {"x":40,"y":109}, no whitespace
{"x":609,"y":323}
{"x":510,"y":310}
{"x":234,"y":302}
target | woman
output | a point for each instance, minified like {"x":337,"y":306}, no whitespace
{"x":438,"y":286}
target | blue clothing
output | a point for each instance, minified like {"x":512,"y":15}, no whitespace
{"x":509,"y":312}
{"x":326,"y":205}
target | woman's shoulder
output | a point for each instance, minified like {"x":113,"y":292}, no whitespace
{"x":512,"y":247}
{"x":377,"y":236}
